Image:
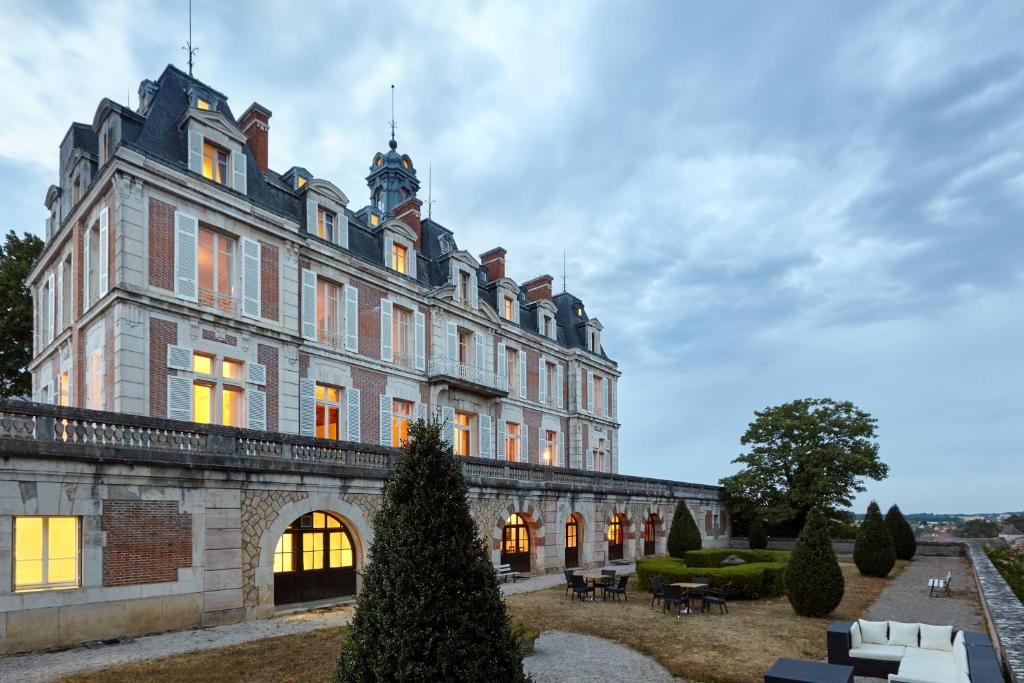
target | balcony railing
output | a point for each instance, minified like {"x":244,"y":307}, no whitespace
{"x":208,"y":297}
{"x":467,"y":373}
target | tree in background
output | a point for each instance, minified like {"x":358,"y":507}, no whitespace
{"x":977,"y":528}
{"x":845,"y":526}
{"x":1015,"y":520}
{"x":683,"y":535}
{"x":814,"y":581}
{"x":903,"y":540}
{"x":873,"y":552}
{"x":17,"y":256}
{"x":430,"y":608}
{"x":757,"y":540}
{"x":804,"y":454}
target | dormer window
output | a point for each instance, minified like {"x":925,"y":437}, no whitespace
{"x":202,"y":104}
{"x":300,"y":181}
{"x":549,"y":327}
{"x":463,"y":288}
{"x":325,"y":225}
{"x":215,"y":163}
{"x":398,"y":257}
{"x":508,"y":310}
{"x":373,"y":219}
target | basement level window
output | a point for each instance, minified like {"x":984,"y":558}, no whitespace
{"x":45,"y":553}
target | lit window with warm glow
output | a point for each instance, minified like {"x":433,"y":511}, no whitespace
{"x":401,"y":416}
{"x":45,"y":553}
{"x":63,"y":392}
{"x":464,"y":346}
{"x":512,"y":450}
{"x":401,"y":325}
{"x":398,"y":257}
{"x":231,"y":407}
{"x":406,"y":164}
{"x":202,"y":104}
{"x":216,"y":257}
{"x":328,"y":308}
{"x":328,"y":411}
{"x":232,"y":369}
{"x":202,"y":403}
{"x":516,"y":535}
{"x":302,"y":181}
{"x":509,"y":311}
{"x":202,"y":364}
{"x":373,"y":219}
{"x":215,"y":163}
{"x":325,"y":224}
{"x":283,"y":559}
{"x":615,"y":531}
{"x":570,"y":533}
{"x":462,"y":432}
{"x":550,"y":446}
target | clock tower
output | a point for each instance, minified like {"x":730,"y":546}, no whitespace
{"x":392,"y":181}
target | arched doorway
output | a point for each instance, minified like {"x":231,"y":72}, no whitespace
{"x":515,"y":544}
{"x":572,"y":544}
{"x":615,"y":538}
{"x":314,"y":559}
{"x":650,"y":531}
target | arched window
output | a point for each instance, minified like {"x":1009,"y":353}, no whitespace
{"x":572,"y":550}
{"x":515,"y":544}
{"x":615,"y":538}
{"x":650,"y":529}
{"x":314,"y":559}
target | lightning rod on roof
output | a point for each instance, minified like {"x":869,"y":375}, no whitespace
{"x":392,"y":122}
{"x":430,"y":190}
{"x":188,"y":46}
{"x":563,"y":271}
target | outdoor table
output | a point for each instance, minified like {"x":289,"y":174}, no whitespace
{"x":688,"y":586}
{"x":796,"y":671}
{"x":593,"y":577}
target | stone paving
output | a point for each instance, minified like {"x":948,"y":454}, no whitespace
{"x":906,"y":599}
{"x":561,"y":657}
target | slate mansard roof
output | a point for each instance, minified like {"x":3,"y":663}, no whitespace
{"x":154,"y":132}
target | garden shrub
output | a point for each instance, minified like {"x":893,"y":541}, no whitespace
{"x":749,"y":581}
{"x":1010,"y":563}
{"x":713,"y":557}
{"x":873,"y":552}
{"x":756,"y":539}
{"x":683,"y":535}
{"x":814,"y":581}
{"x":903,"y":540}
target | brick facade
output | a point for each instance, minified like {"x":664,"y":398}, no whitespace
{"x":369,"y":319}
{"x":161,"y":244}
{"x":162,"y":333}
{"x":371,"y":384}
{"x":147,"y":541}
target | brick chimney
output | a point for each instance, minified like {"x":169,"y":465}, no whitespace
{"x":409,"y":213}
{"x":538,"y":288}
{"x":255,"y":123}
{"x":494,"y":262}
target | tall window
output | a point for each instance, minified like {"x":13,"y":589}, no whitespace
{"x":615,"y":531}
{"x":512,"y":362}
{"x":550,"y":377}
{"x":94,"y":368}
{"x":328,"y":307}
{"x":401,"y":416}
{"x":215,"y":163}
{"x":45,"y":552}
{"x":63,"y":389}
{"x":463,"y":288}
{"x":401,"y":320}
{"x":92,"y":259}
{"x":462,"y":432}
{"x":231,"y":406}
{"x":550,"y":446}
{"x":512,"y":442}
{"x":324,"y":224}
{"x":508,"y":311}
{"x":328,"y":412}
{"x":218,"y":395}
{"x":216,"y":254}
{"x":595,"y":399}
{"x":398,"y":257}
{"x":464,"y":346}
{"x":600,"y":457}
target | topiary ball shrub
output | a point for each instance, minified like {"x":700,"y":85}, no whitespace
{"x":903,"y":540}
{"x":430,"y":608}
{"x":814,"y":581}
{"x":683,"y":535}
{"x":873,"y":552}
{"x":756,"y":539}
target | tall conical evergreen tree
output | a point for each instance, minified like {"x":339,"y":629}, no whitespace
{"x":430,"y":608}
{"x":814,"y":581}
{"x":756,"y":539}
{"x":873,"y":552}
{"x":683,"y":535}
{"x":903,"y":540}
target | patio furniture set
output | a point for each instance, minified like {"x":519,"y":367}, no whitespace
{"x":584,"y":584}
{"x":683,"y":594}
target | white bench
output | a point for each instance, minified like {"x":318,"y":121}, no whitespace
{"x":940,"y":584}
{"x":505,"y":572}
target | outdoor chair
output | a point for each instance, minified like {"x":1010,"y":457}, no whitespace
{"x":698,"y":593}
{"x":657,"y":590}
{"x":674,"y":597}
{"x":568,"y":579}
{"x":940,"y":584}
{"x":580,"y":587}
{"x":609,"y":578}
{"x":716,"y":596}
{"x":618,"y":590}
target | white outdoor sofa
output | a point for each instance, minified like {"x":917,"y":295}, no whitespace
{"x":913,"y":653}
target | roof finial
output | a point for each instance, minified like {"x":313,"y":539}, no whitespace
{"x":188,"y":46}
{"x":430,"y":190}
{"x":392,"y":144}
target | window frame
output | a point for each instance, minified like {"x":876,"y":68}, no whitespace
{"x":550,"y":450}
{"x":328,"y":405}
{"x":512,"y":370}
{"x":399,"y":254}
{"x":462,"y":431}
{"x":401,"y":421}
{"x":217,"y":156}
{"x":325,"y":335}
{"x":218,"y":382}
{"x":402,"y":348}
{"x":326,"y":229}
{"x":513,"y":442}
{"x":508,"y":308}
{"x":45,"y":559}
{"x":221,"y":243}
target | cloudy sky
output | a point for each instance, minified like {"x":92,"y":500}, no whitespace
{"x":760,"y":201}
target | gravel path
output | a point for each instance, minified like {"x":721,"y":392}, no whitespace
{"x":560,"y":656}
{"x":906,"y":599}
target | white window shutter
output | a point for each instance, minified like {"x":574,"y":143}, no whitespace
{"x":524,"y":443}
{"x":179,"y":357}
{"x":50,"y":310}
{"x":60,"y":297}
{"x":195,"y":152}
{"x":453,"y":341}
{"x":542,"y":384}
{"x":479,"y":357}
{"x":179,"y":397}
{"x":604,"y":396}
{"x":421,"y":340}
{"x":579,"y":395}
{"x":410,"y":262}
{"x":256,"y":409}
{"x":502,"y":366}
{"x":354,"y":414}
{"x":485,"y":450}
{"x":186,"y":261}
{"x":251,"y":274}
{"x":522,"y":373}
{"x":308,"y":304}
{"x":590,"y":459}
{"x":385,"y":420}
{"x":421,"y":410}
{"x":542,"y":443}
{"x":341,"y":226}
{"x":386,"y":342}
{"x":473,"y":290}
{"x":500,"y":441}
{"x":561,"y":449}
{"x":559,"y":385}
{"x":307,"y":407}
{"x":312,"y":216}
{"x":387,"y":251}
{"x":587,"y":392}
{"x":238,"y":182}
{"x":256,"y":373}
{"x":351,"y":318}
{"x":85,"y":268}
{"x":448,"y":424}
{"x":104,"y":253}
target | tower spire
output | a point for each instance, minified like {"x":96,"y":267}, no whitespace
{"x":188,"y":46}
{"x":392,"y":143}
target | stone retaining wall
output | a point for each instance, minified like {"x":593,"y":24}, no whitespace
{"x":1004,"y":612}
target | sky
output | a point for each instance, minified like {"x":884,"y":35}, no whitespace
{"x":760,"y":201}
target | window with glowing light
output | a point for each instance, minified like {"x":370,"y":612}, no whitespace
{"x":570,"y":533}
{"x":317,"y":540}
{"x":508,"y":312}
{"x":201,"y":103}
{"x":550,"y":446}
{"x":512,"y":371}
{"x":462,"y":434}
{"x":324,"y":222}
{"x":512,"y":442}
{"x":232,"y":412}
{"x":401,"y":416}
{"x":215,"y":163}
{"x":328,"y":312}
{"x":214,"y":399}
{"x":328,"y":411}
{"x":46,"y":551}
{"x":216,"y":257}
{"x":615,"y":531}
{"x":517,"y":539}
{"x":398,"y":257}
{"x":401,"y":326}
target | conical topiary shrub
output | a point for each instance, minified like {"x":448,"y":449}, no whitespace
{"x":683,"y":535}
{"x":872,"y":551}
{"x":756,"y":539}
{"x":903,"y":540}
{"x":430,"y":608}
{"x":814,"y":581}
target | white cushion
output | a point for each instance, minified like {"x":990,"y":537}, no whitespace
{"x":855,"y":639}
{"x":937,"y":637}
{"x":888,"y":653}
{"x":960,"y":657}
{"x":929,"y":665}
{"x":916,"y":655}
{"x":903,"y":634}
{"x":874,"y":631}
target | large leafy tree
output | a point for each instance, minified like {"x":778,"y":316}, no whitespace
{"x":17,"y":255}
{"x":804,"y":454}
{"x":977,"y":528}
{"x":430,"y":608}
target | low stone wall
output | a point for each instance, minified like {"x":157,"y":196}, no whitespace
{"x":841,"y":546}
{"x":844,"y":546}
{"x":1004,"y":612}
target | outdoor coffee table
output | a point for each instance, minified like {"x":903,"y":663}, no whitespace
{"x":797,"y":671}
{"x":688,"y":586}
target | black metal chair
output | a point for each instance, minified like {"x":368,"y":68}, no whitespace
{"x":580,"y":587}
{"x":716,"y":596}
{"x":698,"y":593}
{"x":657,"y":590}
{"x":618,"y":590}
{"x":609,"y":579}
{"x":568,"y":579}
{"x":674,"y":597}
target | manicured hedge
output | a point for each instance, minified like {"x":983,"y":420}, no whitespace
{"x":749,"y":581}
{"x":712,"y":557}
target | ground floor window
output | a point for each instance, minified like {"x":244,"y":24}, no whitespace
{"x":401,"y":417}
{"x":45,"y":552}
{"x":572,"y":555}
{"x":615,"y":538}
{"x":215,"y":400}
{"x":649,"y":531}
{"x":328,"y":411}
{"x":515,"y":544}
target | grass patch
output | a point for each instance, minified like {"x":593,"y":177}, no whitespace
{"x":713,"y":557}
{"x":1010,"y":563}
{"x":745,"y":581}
